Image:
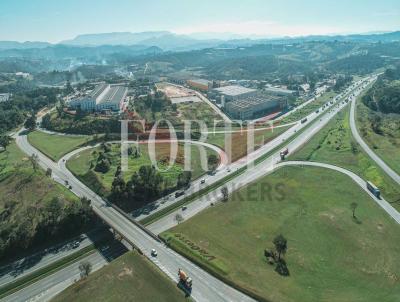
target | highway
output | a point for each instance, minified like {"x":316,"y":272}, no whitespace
{"x":263,"y":168}
{"x":48,"y":287}
{"x":24,"y":266}
{"x":389,"y":171}
{"x":206,"y":287}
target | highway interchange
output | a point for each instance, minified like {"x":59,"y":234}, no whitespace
{"x":206,"y":287}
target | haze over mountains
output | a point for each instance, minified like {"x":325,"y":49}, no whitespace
{"x":168,"y":41}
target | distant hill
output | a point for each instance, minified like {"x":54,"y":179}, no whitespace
{"x":22,"y":45}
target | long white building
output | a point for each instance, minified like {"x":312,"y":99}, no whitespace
{"x":102,"y":97}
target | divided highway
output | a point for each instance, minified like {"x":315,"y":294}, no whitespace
{"x":205,"y":286}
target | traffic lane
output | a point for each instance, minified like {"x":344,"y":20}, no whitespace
{"x":48,"y":287}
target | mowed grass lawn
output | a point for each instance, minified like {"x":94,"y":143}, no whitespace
{"x":334,"y":144}
{"x":387,"y":144}
{"x":56,"y":146}
{"x":330,"y":256}
{"x":130,"y":277}
{"x":239,"y":140}
{"x":84,"y":162}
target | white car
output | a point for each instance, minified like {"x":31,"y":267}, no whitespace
{"x":154,"y":253}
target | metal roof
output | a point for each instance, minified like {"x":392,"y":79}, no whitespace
{"x":234,"y":90}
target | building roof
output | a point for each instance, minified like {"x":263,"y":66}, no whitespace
{"x":249,"y":103}
{"x":234,"y":90}
{"x":115,"y":94}
{"x":279,"y":90}
{"x":98,"y":90}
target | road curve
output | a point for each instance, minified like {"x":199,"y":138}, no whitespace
{"x":205,"y":286}
{"x":357,"y":179}
{"x":389,"y":171}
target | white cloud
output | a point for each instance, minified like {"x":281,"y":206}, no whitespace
{"x":259,"y":28}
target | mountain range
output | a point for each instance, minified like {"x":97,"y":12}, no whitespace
{"x":168,"y":41}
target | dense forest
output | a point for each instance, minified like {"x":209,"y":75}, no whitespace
{"x":384,"y":96}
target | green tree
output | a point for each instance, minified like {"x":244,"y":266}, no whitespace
{"x":225,"y":193}
{"x":280,"y":243}
{"x":353,"y":207}
{"x":213,"y":162}
{"x":5,"y":141}
{"x":85,"y":268}
{"x":30,"y":123}
{"x":184,"y":179}
{"x":34,"y":159}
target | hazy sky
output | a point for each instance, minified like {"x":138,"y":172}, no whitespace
{"x":56,"y":20}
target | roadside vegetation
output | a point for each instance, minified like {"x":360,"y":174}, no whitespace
{"x":378,"y":118}
{"x":33,"y":208}
{"x":324,"y":247}
{"x":335,"y":145}
{"x":130,"y":277}
{"x":56,"y":146}
{"x":99,"y":168}
{"x":297,"y":115}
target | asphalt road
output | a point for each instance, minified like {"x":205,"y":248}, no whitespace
{"x":205,"y":286}
{"x":263,"y":168}
{"x":389,"y":171}
{"x":357,"y":179}
{"x":22,"y":267}
{"x":48,"y":287}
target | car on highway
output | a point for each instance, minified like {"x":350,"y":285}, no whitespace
{"x":179,"y":193}
{"x":203,"y":181}
{"x":75,"y":244}
{"x":153,"y":253}
{"x":184,"y":208}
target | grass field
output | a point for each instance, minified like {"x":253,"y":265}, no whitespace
{"x":82,"y":165}
{"x":56,"y":146}
{"x":386,"y":144}
{"x":335,"y":145}
{"x":130,"y":277}
{"x":239,"y":140}
{"x":306,"y":110}
{"x":331,"y":257}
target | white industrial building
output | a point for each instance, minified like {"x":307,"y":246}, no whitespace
{"x":102,"y":97}
{"x":234,"y":92}
{"x":4,"y":97}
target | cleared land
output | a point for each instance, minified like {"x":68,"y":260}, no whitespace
{"x":239,"y":140}
{"x":131,"y":277}
{"x":306,"y":110}
{"x":335,"y":145}
{"x":381,"y":132}
{"x":56,"y":146}
{"x":331,"y":256}
{"x":83,"y":164}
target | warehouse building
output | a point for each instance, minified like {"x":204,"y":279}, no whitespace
{"x":200,"y":84}
{"x":254,"y":106}
{"x":233,"y":92}
{"x":103,"y":97}
{"x":4,"y":97}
